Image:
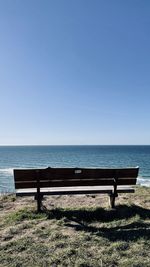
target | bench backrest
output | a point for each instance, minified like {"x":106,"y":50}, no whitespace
{"x":63,"y":177}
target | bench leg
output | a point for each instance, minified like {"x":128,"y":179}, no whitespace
{"x":39,"y":199}
{"x":35,"y":197}
{"x":39,"y":202}
{"x":112,"y":201}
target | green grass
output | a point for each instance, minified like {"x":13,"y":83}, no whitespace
{"x":79,"y":235}
{"x":24,"y":214}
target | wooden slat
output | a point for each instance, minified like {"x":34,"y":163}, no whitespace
{"x":62,"y":183}
{"x":25,"y":175}
{"x":125,"y":173}
{"x":126,"y":181}
{"x":24,"y":185}
{"x":72,"y":173}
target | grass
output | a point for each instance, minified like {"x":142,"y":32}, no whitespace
{"x":78,"y":231}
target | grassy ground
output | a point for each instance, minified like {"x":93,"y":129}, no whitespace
{"x":76,"y":231}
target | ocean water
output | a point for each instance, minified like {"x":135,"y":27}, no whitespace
{"x":12,"y":157}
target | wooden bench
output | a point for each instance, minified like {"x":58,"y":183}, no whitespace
{"x":69,"y":181}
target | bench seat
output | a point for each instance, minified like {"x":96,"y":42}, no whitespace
{"x":75,"y":190}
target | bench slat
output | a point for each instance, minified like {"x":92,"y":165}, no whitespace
{"x":73,"y":173}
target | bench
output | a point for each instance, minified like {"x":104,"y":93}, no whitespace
{"x":71,"y":181}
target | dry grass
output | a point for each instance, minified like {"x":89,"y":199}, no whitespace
{"x":76,"y":231}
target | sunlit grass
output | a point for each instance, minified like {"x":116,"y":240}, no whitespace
{"x":80,"y":236}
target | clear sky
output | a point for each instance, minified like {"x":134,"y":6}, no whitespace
{"x":74,"y":72}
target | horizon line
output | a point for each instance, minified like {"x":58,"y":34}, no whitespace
{"x":74,"y":145}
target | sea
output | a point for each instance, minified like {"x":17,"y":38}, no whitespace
{"x":18,"y":157}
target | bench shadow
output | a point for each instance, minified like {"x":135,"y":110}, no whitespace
{"x":80,"y":220}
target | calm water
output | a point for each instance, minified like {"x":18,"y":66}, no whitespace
{"x":72,"y":156}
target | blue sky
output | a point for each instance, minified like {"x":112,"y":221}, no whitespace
{"x":74,"y":72}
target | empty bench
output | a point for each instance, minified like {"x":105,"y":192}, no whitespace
{"x":71,"y":181}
